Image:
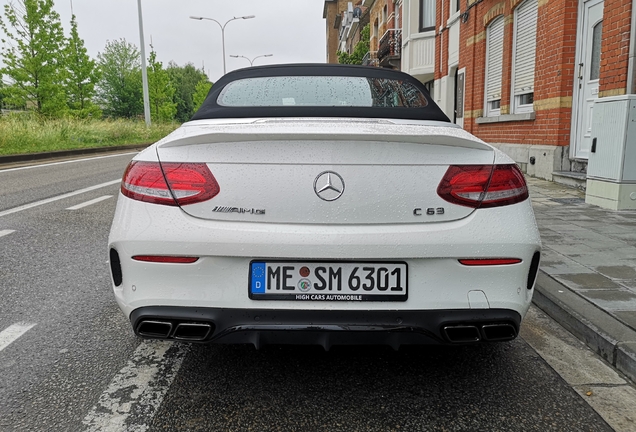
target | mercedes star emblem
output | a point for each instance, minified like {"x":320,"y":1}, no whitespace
{"x":329,"y":186}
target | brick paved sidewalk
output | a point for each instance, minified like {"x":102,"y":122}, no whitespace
{"x":587,"y":280}
{"x":589,"y":249}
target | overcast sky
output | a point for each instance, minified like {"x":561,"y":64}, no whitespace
{"x":292,"y":30}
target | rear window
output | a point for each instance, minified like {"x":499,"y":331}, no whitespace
{"x":321,"y":91}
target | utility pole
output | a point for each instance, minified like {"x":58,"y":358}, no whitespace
{"x":144,"y":72}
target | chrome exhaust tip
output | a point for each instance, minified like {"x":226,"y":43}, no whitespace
{"x":154,"y":329}
{"x":499,"y":332}
{"x":192,"y":331}
{"x":462,"y":333}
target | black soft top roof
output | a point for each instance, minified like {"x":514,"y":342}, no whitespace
{"x":210,"y":109}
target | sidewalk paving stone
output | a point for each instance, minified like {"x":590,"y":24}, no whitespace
{"x":628,"y":317}
{"x":586,"y":281}
{"x":618,"y":272}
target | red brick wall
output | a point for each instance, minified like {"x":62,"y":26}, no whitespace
{"x":554,"y":73}
{"x":615,"y":47}
{"x":376,"y":14}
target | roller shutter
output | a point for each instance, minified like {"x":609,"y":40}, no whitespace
{"x":494,"y":60}
{"x":525,"y":47}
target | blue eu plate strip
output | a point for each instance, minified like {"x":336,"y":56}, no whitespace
{"x":258,"y":278}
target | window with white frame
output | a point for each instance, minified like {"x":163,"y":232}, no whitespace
{"x":455,"y":6}
{"x":494,"y":66}
{"x":523,"y":57}
{"x":595,"y":62}
{"x":427,"y":15}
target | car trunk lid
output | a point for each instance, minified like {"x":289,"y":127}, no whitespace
{"x":326,"y":171}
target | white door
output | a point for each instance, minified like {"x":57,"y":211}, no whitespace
{"x":587,"y":69}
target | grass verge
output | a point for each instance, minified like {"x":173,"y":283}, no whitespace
{"x":28,"y":133}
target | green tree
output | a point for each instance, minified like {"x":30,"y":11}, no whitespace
{"x":81,"y":77}
{"x":32,"y":56}
{"x":201,"y":92}
{"x":185,"y":79}
{"x":119,"y":90}
{"x":160,"y":90}
{"x":359,"y":51}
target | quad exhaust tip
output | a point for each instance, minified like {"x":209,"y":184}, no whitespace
{"x":466,"y":333}
{"x":192,"y":331}
{"x":462,"y":333}
{"x":499,"y":332}
{"x":185,"y":331}
{"x":154,"y":329}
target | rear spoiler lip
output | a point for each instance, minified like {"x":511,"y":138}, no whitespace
{"x":242,"y":130}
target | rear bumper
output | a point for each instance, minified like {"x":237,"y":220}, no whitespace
{"x":220,"y":277}
{"x":325,"y":327}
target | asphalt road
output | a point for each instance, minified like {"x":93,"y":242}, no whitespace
{"x":69,"y":360}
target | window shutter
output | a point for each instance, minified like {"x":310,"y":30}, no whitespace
{"x":525,"y":47}
{"x":494,"y":48}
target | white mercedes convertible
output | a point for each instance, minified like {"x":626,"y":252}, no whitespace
{"x":323,"y":204}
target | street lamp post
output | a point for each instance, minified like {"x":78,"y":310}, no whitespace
{"x":144,"y":72}
{"x":251,"y":61}
{"x":222,"y":30}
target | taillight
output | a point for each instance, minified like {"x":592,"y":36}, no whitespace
{"x":189,"y":183}
{"x":483,"y":186}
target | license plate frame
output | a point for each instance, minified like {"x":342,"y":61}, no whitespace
{"x":387,"y":283}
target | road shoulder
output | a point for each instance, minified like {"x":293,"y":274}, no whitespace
{"x":608,"y":392}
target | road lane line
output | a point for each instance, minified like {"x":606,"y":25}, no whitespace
{"x":91,"y":202}
{"x":136,"y":392}
{"x":65,"y":162}
{"x":57,"y":198}
{"x":12,"y":333}
{"x":6,"y":232}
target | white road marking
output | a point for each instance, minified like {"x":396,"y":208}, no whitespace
{"x":57,"y":198}
{"x":91,"y":202}
{"x":133,"y":396}
{"x":12,"y":333}
{"x":6,"y":232}
{"x":65,"y":162}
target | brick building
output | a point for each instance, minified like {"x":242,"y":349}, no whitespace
{"x":345,"y":19}
{"x":523,"y":75}
{"x":332,"y":13}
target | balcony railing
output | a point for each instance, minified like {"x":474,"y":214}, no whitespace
{"x":390,"y":46}
{"x":370,"y":59}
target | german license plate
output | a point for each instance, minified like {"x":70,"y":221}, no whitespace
{"x":328,"y":281}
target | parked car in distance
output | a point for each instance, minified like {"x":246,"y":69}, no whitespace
{"x":323,"y":204}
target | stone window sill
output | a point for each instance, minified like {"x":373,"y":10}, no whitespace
{"x":505,"y":118}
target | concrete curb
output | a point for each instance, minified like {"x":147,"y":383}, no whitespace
{"x":607,"y":336}
{"x":27,"y":157}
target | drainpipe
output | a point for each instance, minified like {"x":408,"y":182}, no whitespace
{"x":631,"y":68}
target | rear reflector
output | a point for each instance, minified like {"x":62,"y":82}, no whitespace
{"x":189,"y":183}
{"x":166,"y":259}
{"x":483,"y":186}
{"x":489,"y":261}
